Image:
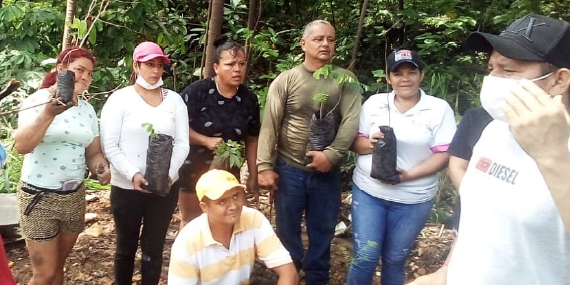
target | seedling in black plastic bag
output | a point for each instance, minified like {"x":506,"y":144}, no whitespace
{"x":65,"y":85}
{"x":158,"y":157}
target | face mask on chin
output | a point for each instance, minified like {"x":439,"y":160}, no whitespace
{"x":493,"y":92}
{"x":144,"y":84}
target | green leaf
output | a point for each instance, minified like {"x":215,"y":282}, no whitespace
{"x":82,"y":31}
{"x":93,"y":36}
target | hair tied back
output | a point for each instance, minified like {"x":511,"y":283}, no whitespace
{"x":220,"y":40}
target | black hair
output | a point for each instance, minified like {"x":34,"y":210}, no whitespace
{"x":223,"y":43}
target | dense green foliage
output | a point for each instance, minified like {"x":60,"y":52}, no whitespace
{"x":31,"y":32}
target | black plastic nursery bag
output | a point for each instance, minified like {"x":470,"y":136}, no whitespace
{"x":65,"y":85}
{"x":321,"y":134}
{"x":384,"y":157}
{"x":158,"y":158}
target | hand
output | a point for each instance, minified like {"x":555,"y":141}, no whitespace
{"x":103,"y":173}
{"x":375,"y":137}
{"x":138,"y":181}
{"x":437,"y":278}
{"x":404,"y":175}
{"x":212,"y":142}
{"x":539,"y":122}
{"x":268,"y":179}
{"x":252,"y":187}
{"x":321,"y":162}
{"x":54,"y":108}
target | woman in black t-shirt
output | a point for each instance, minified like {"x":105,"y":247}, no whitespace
{"x":220,"y":108}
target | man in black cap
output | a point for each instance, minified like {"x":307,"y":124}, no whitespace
{"x":515,"y":195}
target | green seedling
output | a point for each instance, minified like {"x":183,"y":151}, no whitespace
{"x":150,"y":130}
{"x":230,"y":151}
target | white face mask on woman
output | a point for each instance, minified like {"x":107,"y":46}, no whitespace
{"x":493,"y":94}
{"x":144,"y":84}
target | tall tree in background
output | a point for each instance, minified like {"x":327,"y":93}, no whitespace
{"x":69,"y":15}
{"x":252,"y":26}
{"x":358,"y":35}
{"x":214,"y":30}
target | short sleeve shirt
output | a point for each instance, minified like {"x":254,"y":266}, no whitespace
{"x":468,"y":132}
{"x":196,"y":258}
{"x":60,"y":155}
{"x":213,"y":115}
{"x":428,"y":125}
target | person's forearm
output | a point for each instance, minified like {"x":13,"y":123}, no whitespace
{"x":29,"y":136}
{"x":251,"y":155}
{"x":287,"y":274}
{"x":431,"y":165}
{"x":555,"y":173}
{"x":361,"y":146}
{"x":457,"y":169}
{"x":197,"y":138}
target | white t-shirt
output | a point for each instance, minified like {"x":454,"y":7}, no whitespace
{"x":60,"y":155}
{"x":429,"y":124}
{"x":511,"y":232}
{"x":125,"y":141}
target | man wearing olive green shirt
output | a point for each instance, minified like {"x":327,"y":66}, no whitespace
{"x":313,"y":188}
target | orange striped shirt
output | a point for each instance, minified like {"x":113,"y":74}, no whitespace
{"x":197,"y":258}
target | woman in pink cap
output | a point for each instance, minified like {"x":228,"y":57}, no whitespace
{"x":125,"y":143}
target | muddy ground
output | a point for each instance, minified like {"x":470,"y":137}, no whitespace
{"x":91,"y":261}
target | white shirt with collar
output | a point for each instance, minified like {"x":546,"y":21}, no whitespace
{"x":425,"y":129}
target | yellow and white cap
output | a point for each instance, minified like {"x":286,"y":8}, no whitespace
{"x":214,"y":183}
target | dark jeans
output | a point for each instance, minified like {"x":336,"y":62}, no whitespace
{"x":383,"y":229}
{"x":131,"y":209}
{"x":318,"y":195}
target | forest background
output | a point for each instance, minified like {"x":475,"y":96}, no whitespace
{"x":367,"y":31}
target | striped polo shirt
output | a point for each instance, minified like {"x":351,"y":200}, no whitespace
{"x":197,"y":258}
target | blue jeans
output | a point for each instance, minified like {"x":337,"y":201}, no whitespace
{"x":383,"y":229}
{"x":318,"y":195}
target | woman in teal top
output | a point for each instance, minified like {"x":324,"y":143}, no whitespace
{"x":59,"y":141}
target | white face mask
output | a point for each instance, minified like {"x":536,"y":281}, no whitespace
{"x":493,"y":94}
{"x":144,"y":84}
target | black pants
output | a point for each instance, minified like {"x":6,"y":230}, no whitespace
{"x":131,"y":209}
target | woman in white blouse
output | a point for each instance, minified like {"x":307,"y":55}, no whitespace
{"x":125,"y":143}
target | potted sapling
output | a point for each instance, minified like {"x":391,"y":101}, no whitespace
{"x":158,"y":157}
{"x":323,"y":127}
{"x":65,"y":85}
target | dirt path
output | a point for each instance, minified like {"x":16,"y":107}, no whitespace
{"x":91,"y":261}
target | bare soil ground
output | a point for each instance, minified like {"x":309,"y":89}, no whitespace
{"x":91,"y":261}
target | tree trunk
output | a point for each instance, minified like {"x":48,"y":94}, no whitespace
{"x":251,"y":27}
{"x":69,"y":15}
{"x":214,"y":30}
{"x":358,"y":35}
{"x":1,"y":3}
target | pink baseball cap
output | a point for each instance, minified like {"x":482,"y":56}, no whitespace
{"x":146,"y":51}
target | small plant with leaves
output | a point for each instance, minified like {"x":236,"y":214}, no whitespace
{"x":150,"y":130}
{"x":228,"y":154}
{"x":321,"y":98}
{"x":326,"y":72}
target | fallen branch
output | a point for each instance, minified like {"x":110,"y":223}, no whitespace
{"x":12,"y":86}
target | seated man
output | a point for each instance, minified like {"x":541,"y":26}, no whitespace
{"x":220,"y":246}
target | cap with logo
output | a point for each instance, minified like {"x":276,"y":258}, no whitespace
{"x":530,"y":38}
{"x":403,"y":56}
{"x":214,"y":183}
{"x":146,"y":51}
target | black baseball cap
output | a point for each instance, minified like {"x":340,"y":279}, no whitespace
{"x":398,"y":57}
{"x":530,"y":38}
